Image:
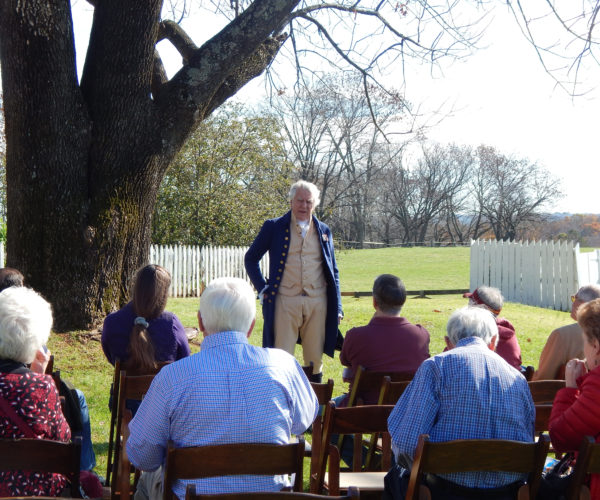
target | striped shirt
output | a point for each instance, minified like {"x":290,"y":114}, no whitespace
{"x":230,"y":392}
{"x":468,"y":392}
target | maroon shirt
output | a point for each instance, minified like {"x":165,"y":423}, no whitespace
{"x":386,"y":344}
{"x":508,"y":346}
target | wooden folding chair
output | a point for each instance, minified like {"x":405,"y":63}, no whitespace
{"x":130,"y":387}
{"x":369,"y":382}
{"x":543,"y":391}
{"x":113,"y":420}
{"x":542,"y":417}
{"x":391,"y":391}
{"x":389,"y":395}
{"x":358,"y":420}
{"x":50,"y":365}
{"x":190,"y":494}
{"x":308,"y":370}
{"x":43,"y":455}
{"x":478,"y":455}
{"x":323,"y":393}
{"x":111,"y":458}
{"x":197,"y":462}
{"x":588,"y":462}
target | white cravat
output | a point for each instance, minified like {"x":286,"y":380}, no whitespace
{"x":304,"y":226}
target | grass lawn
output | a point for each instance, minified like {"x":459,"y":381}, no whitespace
{"x":80,"y":358}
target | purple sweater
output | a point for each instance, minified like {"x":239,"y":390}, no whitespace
{"x":166,"y":332}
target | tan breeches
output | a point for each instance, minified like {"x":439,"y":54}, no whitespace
{"x":305,"y":316}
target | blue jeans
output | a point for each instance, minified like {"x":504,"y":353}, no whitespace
{"x":88,"y":457}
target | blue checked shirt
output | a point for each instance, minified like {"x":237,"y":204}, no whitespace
{"x":468,"y":392}
{"x":230,"y":392}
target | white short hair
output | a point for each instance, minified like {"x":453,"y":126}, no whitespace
{"x":308,"y":186}
{"x":472,"y":321}
{"x":227,"y":304}
{"x":25,"y":323}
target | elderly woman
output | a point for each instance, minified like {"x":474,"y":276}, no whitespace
{"x":27,"y":396}
{"x":576,"y":408}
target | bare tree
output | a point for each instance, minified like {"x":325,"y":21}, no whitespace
{"x":512,"y":192}
{"x":334,"y":142}
{"x":421,"y":194}
{"x":85,"y":158}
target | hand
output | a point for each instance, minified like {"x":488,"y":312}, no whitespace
{"x":40,"y":362}
{"x":574,"y":369}
{"x":340,"y":317}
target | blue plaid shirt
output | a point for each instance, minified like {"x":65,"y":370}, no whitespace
{"x":468,"y":392}
{"x":230,"y":392}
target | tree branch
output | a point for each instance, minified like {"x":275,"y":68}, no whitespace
{"x":171,"y":31}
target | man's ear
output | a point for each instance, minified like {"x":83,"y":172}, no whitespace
{"x":449,"y":344}
{"x":251,"y":328}
{"x":493,"y":343}
{"x":201,"y":324}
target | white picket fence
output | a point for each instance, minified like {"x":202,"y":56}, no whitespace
{"x":543,"y":274}
{"x":193,"y":267}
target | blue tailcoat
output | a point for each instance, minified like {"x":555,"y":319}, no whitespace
{"x":272,"y":239}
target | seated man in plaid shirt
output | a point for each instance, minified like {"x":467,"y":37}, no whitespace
{"x":229,"y":392}
{"x":467,"y":392}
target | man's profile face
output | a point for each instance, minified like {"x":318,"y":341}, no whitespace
{"x":302,"y":205}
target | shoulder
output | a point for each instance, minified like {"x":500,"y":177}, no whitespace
{"x":118,"y":316}
{"x":567,"y":331}
{"x":284,"y":220}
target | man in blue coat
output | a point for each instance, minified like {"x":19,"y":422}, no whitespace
{"x":301,"y":298}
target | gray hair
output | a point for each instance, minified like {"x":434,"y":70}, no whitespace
{"x":227,"y":304}
{"x":588,"y":292}
{"x":308,"y":186}
{"x":471,"y":321}
{"x":491,"y":297}
{"x":25,"y":323}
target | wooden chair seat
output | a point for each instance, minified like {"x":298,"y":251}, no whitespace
{"x":364,"y":481}
{"x":358,"y":421}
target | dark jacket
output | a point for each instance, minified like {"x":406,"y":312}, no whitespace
{"x":271,"y":239}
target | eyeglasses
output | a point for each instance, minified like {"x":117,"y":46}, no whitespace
{"x":574,"y":298}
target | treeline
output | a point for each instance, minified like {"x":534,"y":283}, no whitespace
{"x":381,"y":179}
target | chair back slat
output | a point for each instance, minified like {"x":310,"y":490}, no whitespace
{"x":478,"y":455}
{"x":368,"y":382}
{"x":190,"y":494}
{"x":543,"y":391}
{"x":391,"y":391}
{"x":199,"y":462}
{"x":43,"y":455}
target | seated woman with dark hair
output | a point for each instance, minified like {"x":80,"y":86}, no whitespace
{"x":576,"y":408}
{"x":142,"y":333}
{"x":28,"y":396}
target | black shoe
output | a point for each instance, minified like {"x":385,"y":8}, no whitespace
{"x":316,"y":378}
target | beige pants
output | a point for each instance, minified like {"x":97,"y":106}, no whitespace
{"x":305,"y":316}
{"x":150,"y":486}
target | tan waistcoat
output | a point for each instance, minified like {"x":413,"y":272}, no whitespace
{"x":303,"y":272}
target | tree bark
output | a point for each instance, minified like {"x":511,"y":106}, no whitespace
{"x":84,"y":162}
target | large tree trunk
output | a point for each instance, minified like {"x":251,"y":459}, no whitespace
{"x":84,"y":163}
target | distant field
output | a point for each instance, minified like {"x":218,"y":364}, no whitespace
{"x":81,"y":360}
{"x":419,"y":267}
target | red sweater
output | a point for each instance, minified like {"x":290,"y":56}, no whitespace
{"x":575,"y":414}
{"x":508,"y":345}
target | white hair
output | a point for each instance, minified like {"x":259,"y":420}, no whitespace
{"x":25,"y":323}
{"x":588,"y":292}
{"x":227,"y":304}
{"x":472,"y":321}
{"x":308,"y":186}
